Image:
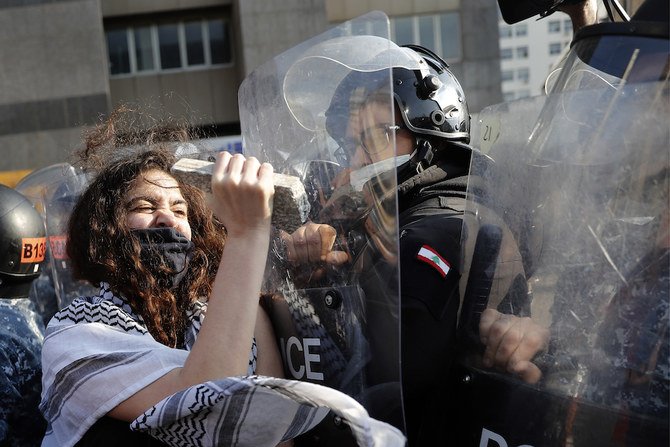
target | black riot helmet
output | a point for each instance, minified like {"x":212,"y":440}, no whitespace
{"x":428,"y":96}
{"x":431,"y":100}
{"x":22,"y":243}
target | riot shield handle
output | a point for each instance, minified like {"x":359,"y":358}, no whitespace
{"x":478,"y":288}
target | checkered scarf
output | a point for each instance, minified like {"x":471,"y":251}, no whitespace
{"x":97,"y":354}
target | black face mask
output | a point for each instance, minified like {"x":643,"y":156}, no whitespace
{"x":166,"y":253}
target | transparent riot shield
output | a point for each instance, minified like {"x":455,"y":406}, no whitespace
{"x":582,"y":205}
{"x":53,"y":191}
{"x":322,"y":112}
{"x":60,"y":195}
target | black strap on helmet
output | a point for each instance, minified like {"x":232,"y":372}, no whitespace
{"x":430,"y":57}
{"x":424,"y":154}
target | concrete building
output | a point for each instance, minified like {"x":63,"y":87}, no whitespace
{"x":528,"y":51}
{"x":66,"y":63}
{"x":53,"y":78}
{"x":462,"y":32}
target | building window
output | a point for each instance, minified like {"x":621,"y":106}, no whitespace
{"x":169,"y":46}
{"x":506,"y":53}
{"x":427,"y":31}
{"x":195,"y":45}
{"x":168,"y":42}
{"x":522,"y":52}
{"x":554,"y":26}
{"x":522,"y":94}
{"x":450,"y":35}
{"x":119,"y":56}
{"x":555,"y":48}
{"x":521,"y":30}
{"x":220,"y":46}
{"x":507,"y":75}
{"x":403,"y":30}
{"x":440,"y":33}
{"x":144,"y":55}
{"x":567,"y":26}
{"x":505,"y":31}
{"x":523,"y":75}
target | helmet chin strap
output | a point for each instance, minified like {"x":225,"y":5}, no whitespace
{"x":423,"y":154}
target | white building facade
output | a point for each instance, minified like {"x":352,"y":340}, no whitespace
{"x":528,"y":51}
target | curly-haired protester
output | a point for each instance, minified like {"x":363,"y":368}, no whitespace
{"x":141,"y":350}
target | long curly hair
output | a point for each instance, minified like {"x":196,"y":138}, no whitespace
{"x":102,"y":247}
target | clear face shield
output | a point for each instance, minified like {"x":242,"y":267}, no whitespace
{"x":585,"y":200}
{"x":323,"y":112}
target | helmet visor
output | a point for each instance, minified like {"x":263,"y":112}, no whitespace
{"x":330,"y":73}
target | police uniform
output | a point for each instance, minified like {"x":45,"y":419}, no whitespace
{"x":430,"y":294}
{"x":22,"y":249}
{"x":21,"y":333}
{"x":431,"y":215}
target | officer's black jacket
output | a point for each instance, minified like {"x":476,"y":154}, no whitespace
{"x":432,"y":211}
{"x":431,"y":206}
{"x":21,"y":424}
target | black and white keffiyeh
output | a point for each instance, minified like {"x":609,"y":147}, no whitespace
{"x":97,"y":354}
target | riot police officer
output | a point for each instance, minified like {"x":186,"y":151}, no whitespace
{"x":425,"y":147}
{"x":22,"y":251}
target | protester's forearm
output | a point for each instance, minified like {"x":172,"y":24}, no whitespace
{"x":223,"y":345}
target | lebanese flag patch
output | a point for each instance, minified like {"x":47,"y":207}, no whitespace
{"x":428,"y":255}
